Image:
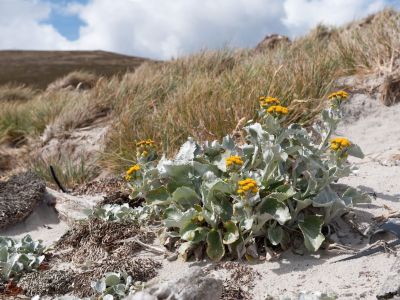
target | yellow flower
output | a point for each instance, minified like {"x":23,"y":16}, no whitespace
{"x":133,"y":169}
{"x":340,"y":143}
{"x":340,"y":95}
{"x":234,"y":161}
{"x":265,"y":102}
{"x":148,"y":142}
{"x":130,"y":171}
{"x":247,"y":185}
{"x":278,"y":109}
{"x":145,"y":147}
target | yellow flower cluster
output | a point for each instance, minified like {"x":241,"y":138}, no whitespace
{"x":247,"y":185}
{"x":341,"y":95}
{"x":339,"y":143}
{"x":143,"y":147}
{"x":131,"y":170}
{"x":265,"y":102}
{"x":281,"y":110}
{"x":234,"y":160}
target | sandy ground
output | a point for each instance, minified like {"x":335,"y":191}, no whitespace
{"x":367,"y":123}
{"x":48,"y":223}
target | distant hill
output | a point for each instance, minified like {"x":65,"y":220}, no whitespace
{"x":39,"y":68}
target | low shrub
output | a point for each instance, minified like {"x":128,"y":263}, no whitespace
{"x":19,"y":256}
{"x":279,"y":184}
{"x":113,"y":286}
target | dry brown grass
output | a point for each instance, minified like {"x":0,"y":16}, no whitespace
{"x":206,"y":94}
{"x":14,"y":92}
{"x":81,"y":80}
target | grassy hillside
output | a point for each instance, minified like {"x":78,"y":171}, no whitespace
{"x":39,"y":68}
{"x":206,"y":94}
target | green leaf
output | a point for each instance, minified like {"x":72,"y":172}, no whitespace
{"x":200,"y":235}
{"x":173,"y":217}
{"x":325,"y":198}
{"x":112,"y":279}
{"x":228,"y":143}
{"x":187,"y":232}
{"x":187,"y":151}
{"x":223,"y":209}
{"x":185,"y":197}
{"x":119,"y":289}
{"x":215,"y":247}
{"x":231,"y":234}
{"x":311,"y":229}
{"x":220,"y":160}
{"x":276,"y":209}
{"x":356,"y":196}
{"x":355,"y":150}
{"x":3,"y":254}
{"x":281,"y":197}
{"x":99,"y":286}
{"x":275,"y":234}
{"x":158,"y":194}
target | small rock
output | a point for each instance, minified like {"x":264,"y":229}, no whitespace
{"x":195,"y":285}
{"x":19,"y":196}
{"x":391,"y":287}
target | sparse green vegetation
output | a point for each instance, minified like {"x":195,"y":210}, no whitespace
{"x":19,"y":256}
{"x":70,"y":173}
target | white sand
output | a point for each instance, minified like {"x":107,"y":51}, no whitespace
{"x":49,"y":223}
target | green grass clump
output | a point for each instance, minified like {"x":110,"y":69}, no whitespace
{"x":70,"y":173}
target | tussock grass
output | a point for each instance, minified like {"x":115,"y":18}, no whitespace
{"x":20,"y":120}
{"x":81,"y":79}
{"x":370,"y":44}
{"x":15,"y":92}
{"x":63,"y":110}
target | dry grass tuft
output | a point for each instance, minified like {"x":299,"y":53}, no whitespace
{"x":78,"y":80}
{"x":14,"y":92}
{"x":390,"y":89}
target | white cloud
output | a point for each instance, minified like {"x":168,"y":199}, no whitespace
{"x":302,"y":15}
{"x":168,"y":28}
{"x":21,"y":26}
{"x":161,"y":28}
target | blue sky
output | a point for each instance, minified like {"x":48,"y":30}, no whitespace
{"x":166,"y":28}
{"x":67,"y":24}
